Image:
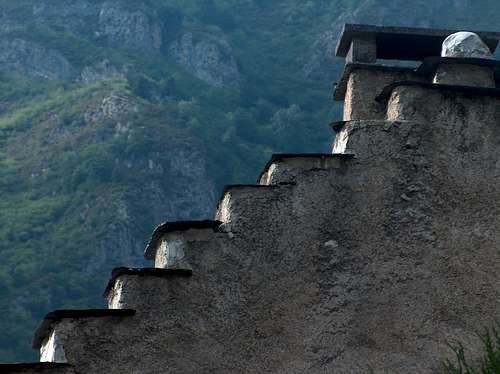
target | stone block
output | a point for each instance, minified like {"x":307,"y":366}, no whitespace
{"x":465,"y":75}
{"x":177,"y":228}
{"x":288,"y":168}
{"x":36,"y":368}
{"x":91,"y":339}
{"x":363,"y":86}
{"x":122,"y":292}
{"x":250,"y":207}
{"x":174,"y":247}
{"x":362,"y":50}
{"x":447,"y":104}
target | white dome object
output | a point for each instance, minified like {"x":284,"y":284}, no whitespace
{"x":465,"y":44}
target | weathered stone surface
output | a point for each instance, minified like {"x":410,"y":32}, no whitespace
{"x":76,"y":16}
{"x":377,"y":264}
{"x":332,"y":264}
{"x":190,"y":230}
{"x":362,"y":50}
{"x":116,"y":105}
{"x":52,"y":350}
{"x":250,"y":207}
{"x":287,"y":168}
{"x":36,"y":368}
{"x":208,"y":57}
{"x":363,"y":86}
{"x":336,"y":264}
{"x":81,"y":336}
{"x":171,"y":253}
{"x":29,"y":60}
{"x":115,"y":22}
{"x":465,"y":44}
{"x":101,"y":71}
{"x":465,"y":75}
{"x":415,"y":103}
{"x":125,"y":28}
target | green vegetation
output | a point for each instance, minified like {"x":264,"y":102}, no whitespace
{"x":490,"y":362}
{"x":64,"y":177}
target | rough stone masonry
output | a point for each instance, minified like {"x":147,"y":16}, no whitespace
{"x":368,"y":259}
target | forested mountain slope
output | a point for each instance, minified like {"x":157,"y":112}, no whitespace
{"x":116,"y":115}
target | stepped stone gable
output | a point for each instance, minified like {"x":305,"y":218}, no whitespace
{"x":368,"y":259}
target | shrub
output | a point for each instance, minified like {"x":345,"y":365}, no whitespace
{"x":489,"y":363}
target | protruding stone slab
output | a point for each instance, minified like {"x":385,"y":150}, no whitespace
{"x":416,"y":101}
{"x":144,"y":272}
{"x":246,"y":206}
{"x":36,"y":368}
{"x":488,"y":71}
{"x":465,"y":75}
{"x":172,"y":227}
{"x":392,"y":43}
{"x":285,"y":168}
{"x":429,"y":65}
{"x":114,"y":293}
{"x":44,"y":331}
{"x":472,"y":91}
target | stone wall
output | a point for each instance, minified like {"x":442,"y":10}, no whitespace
{"x":341,"y":264}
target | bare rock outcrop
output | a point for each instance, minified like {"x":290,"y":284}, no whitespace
{"x":99,"y":72}
{"x":124,"y":27}
{"x":78,"y":16}
{"x":26,"y":59}
{"x":208,"y":57}
{"x":117,"y":23}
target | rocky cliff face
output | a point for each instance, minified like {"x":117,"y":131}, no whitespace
{"x":119,"y":24}
{"x":101,"y":71}
{"x":114,"y":22}
{"x":26,"y":59}
{"x":134,"y":29}
{"x":208,"y":57}
{"x":77,"y":16}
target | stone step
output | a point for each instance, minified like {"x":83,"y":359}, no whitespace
{"x":286,"y":168}
{"x":183,"y":322}
{"x":125,"y":290}
{"x":37,"y":367}
{"x":420,"y":101}
{"x":248,"y":208}
{"x":57,"y":336}
{"x":371,"y":142}
{"x":172,"y":243}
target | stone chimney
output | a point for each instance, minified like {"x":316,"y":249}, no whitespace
{"x":439,"y":57}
